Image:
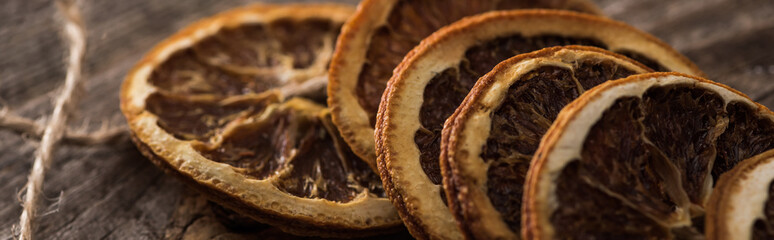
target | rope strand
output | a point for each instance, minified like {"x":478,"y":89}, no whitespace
{"x":55,"y":128}
{"x":33,"y":129}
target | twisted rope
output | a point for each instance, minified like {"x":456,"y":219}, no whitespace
{"x":54,"y":130}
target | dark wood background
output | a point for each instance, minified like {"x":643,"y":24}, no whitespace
{"x":110,"y":191}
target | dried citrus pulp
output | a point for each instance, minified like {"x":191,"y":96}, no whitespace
{"x":235,"y":106}
{"x":489,"y":141}
{"x":742,"y":204}
{"x":637,"y":158}
{"x":431,"y":82}
{"x":374,"y":41}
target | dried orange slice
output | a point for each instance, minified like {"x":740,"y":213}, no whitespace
{"x":433,"y":79}
{"x":637,"y":158}
{"x":375,"y":40}
{"x":487,"y":144}
{"x":234,"y":105}
{"x":742,"y":204}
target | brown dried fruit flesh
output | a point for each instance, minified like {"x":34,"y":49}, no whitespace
{"x":376,"y":39}
{"x":742,"y":204}
{"x":433,"y":79}
{"x":198,"y":117}
{"x":234,"y":106}
{"x":297,"y":148}
{"x":650,"y":142}
{"x":445,"y":91}
{"x":489,"y":141}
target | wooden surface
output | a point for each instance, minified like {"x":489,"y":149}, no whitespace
{"x":110,"y":191}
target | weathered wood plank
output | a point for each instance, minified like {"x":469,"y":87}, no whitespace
{"x":729,"y":40}
{"x":110,"y":191}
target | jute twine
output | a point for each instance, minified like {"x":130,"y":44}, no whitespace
{"x":55,"y":129}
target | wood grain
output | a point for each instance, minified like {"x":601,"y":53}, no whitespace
{"x":111,"y":192}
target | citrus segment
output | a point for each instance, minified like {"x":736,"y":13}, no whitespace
{"x":747,"y":135}
{"x":182,"y":73}
{"x":435,"y":77}
{"x":624,"y":163}
{"x":199,"y":118}
{"x":577,"y":223}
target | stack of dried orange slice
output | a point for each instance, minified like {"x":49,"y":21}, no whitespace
{"x":490,"y":139}
{"x":433,"y":79}
{"x":321,"y":120}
